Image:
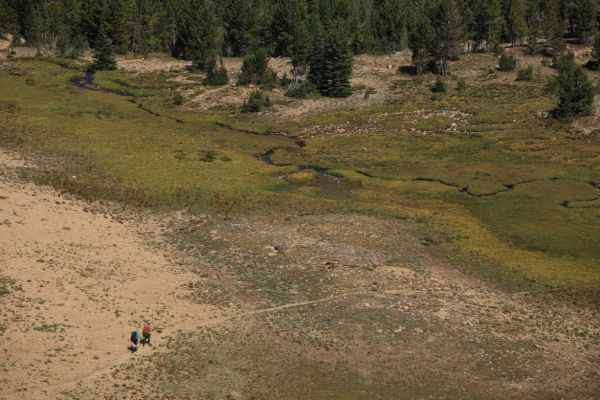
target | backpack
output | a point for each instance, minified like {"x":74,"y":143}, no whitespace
{"x":134,"y":335}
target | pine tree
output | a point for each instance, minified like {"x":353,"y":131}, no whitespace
{"x":575,"y":91}
{"x":104,"y":56}
{"x":421,"y":37}
{"x":91,"y":17}
{"x":255,"y":69}
{"x":288,"y":16}
{"x":390,"y":24}
{"x":533,"y":18}
{"x":515,"y":21}
{"x":31,"y":22}
{"x":584,"y":19}
{"x":338,"y":65}
{"x":300,"y":49}
{"x":554,"y":27}
{"x":316,"y":70}
{"x":201,"y":35}
{"x":487,"y":23}
{"x":239,"y":18}
{"x":8,"y":18}
{"x":215,"y":76}
{"x":596,"y":48}
{"x":447,"y":41}
{"x":120,"y":26}
{"x":331,"y":64}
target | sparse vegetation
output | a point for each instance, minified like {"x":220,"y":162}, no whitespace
{"x":450,"y":218}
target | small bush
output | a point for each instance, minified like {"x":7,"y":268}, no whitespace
{"x":178,"y":99}
{"x":525,"y":74}
{"x":369,"y":92}
{"x":255,"y":70}
{"x":507,"y":62}
{"x":461,"y":86}
{"x":300,"y":90}
{"x":268,"y":80}
{"x":257,"y":102}
{"x":439,"y":86}
{"x":216,"y":76}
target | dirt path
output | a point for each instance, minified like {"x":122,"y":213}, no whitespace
{"x":75,"y":283}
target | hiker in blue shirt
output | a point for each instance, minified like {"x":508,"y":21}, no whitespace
{"x":135,"y":338}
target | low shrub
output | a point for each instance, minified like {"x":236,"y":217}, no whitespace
{"x":439,"y":86}
{"x":257,"y":102}
{"x":300,"y":90}
{"x":178,"y":99}
{"x":216,"y":76}
{"x":525,"y":74}
{"x":255,"y":70}
{"x":507,"y":62}
{"x":369,"y":91}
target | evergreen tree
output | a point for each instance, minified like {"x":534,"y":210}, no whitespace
{"x":300,"y":49}
{"x":487,"y":23}
{"x":554,"y":27}
{"x":390,"y":24}
{"x":316,"y":71}
{"x":533,"y":18}
{"x":338,"y":65}
{"x":104,"y":56}
{"x":447,"y":40}
{"x":255,"y":69}
{"x":31,"y":22}
{"x":516,"y":28}
{"x":287,"y":19}
{"x":331,"y":64}
{"x":575,"y":91}
{"x":216,"y":76}
{"x":596,"y":48}
{"x":421,"y":37}
{"x":239,"y":19}
{"x":201,"y":35}
{"x":91,"y":17}
{"x":584,"y":19}
{"x":120,"y":24}
{"x":8,"y":18}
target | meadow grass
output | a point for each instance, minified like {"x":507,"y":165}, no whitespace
{"x":406,"y":159}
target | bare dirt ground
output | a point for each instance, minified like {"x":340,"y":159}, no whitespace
{"x":78,"y":282}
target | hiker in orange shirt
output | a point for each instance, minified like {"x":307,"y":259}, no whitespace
{"x":146,"y":331}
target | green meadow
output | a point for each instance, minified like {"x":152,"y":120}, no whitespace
{"x":505,"y":192}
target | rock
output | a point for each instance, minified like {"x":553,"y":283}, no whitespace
{"x":272,"y":250}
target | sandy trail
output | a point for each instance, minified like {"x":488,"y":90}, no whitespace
{"x":78,"y":282}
